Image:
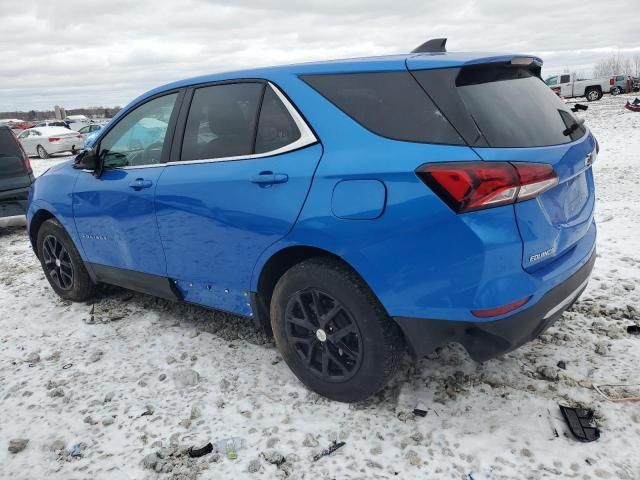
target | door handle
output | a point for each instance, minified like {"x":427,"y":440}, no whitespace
{"x":140,"y":183}
{"x":268,"y":178}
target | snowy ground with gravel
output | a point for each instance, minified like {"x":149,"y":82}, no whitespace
{"x":118,"y":388}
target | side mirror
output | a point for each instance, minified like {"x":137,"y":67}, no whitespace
{"x":86,"y":160}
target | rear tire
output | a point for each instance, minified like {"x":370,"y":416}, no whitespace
{"x":352,"y":348}
{"x":62,"y":264}
{"x":593,"y":94}
{"x":616,"y":91}
{"x":42,"y":153}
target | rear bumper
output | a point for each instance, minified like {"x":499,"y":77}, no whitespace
{"x":486,"y":340}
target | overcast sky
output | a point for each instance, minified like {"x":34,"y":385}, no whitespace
{"x":106,"y":52}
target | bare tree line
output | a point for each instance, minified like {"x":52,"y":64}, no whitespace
{"x":618,"y":64}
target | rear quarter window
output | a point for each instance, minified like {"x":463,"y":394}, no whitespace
{"x":390,"y":104}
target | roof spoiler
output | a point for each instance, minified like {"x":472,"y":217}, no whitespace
{"x":432,"y":46}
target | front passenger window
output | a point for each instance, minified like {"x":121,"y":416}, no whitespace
{"x":138,"y":138}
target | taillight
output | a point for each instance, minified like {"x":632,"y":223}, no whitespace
{"x":611,"y":81}
{"x":467,"y":186}
{"x":597,"y":147}
{"x":78,"y":136}
{"x":53,"y":139}
{"x":27,"y":162}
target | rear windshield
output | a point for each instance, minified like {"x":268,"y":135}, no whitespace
{"x":390,"y":104}
{"x":514,"y":108}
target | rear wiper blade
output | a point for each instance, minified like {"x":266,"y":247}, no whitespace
{"x":573,"y":127}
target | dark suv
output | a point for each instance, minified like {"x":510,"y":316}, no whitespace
{"x":16,"y":175}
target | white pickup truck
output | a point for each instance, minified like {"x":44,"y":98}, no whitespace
{"x":569,"y":86}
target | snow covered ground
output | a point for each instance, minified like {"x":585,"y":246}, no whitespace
{"x":140,"y":374}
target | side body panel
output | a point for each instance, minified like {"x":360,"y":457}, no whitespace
{"x":116,"y":223}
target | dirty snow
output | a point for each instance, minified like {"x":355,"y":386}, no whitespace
{"x":121,"y":393}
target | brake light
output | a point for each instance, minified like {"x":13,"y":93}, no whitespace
{"x":78,"y":136}
{"x":53,"y":139}
{"x":597,"y":147}
{"x":611,"y":81}
{"x":494,"y":312}
{"x":468,"y":186}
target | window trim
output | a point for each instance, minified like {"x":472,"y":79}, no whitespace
{"x":168,"y":136}
{"x":307,"y":137}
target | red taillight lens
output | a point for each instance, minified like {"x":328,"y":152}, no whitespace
{"x":494,"y":312}
{"x":53,"y":139}
{"x":78,"y":136}
{"x":467,"y":186}
{"x":597,"y":147}
{"x":611,"y":81}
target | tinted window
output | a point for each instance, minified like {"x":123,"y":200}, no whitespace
{"x":138,"y":138}
{"x":276,"y":128}
{"x":391,"y":104}
{"x":222,"y":121}
{"x":565,"y":79}
{"x":11,"y":162}
{"x":552,"y":81}
{"x":514,"y":108}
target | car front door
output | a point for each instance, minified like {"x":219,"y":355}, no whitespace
{"x":236,"y":183}
{"x":114,"y":211}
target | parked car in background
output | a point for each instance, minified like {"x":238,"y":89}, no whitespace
{"x":16,"y":124}
{"x":44,"y":141}
{"x":52,"y":123}
{"x":87,"y":129}
{"x":620,"y":84}
{"x":571,"y":86}
{"x":356,"y":208}
{"x":16,"y":176}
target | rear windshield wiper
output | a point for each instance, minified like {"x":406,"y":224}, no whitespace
{"x":573,"y":127}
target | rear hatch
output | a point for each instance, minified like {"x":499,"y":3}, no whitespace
{"x":15,"y":171}
{"x":506,"y":113}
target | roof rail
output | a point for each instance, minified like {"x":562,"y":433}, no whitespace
{"x":433,"y":45}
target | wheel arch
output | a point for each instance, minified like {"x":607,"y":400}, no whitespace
{"x":41,"y":216}
{"x":275,"y":267}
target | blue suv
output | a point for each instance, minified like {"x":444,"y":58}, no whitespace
{"x":357,"y":208}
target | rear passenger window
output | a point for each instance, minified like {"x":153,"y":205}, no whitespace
{"x":565,"y":79}
{"x":222,"y":121}
{"x":390,"y":104}
{"x":276,"y":128}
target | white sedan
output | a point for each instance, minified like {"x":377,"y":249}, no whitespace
{"x":43,"y":141}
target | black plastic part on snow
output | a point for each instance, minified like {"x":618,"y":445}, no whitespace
{"x":199,"y":452}
{"x":432,"y":46}
{"x":633,"y":329}
{"x":419,"y":413}
{"x":328,"y":451}
{"x":581,"y":423}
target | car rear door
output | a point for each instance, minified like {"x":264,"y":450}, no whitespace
{"x":114,"y":211}
{"x":242,"y":165}
{"x":518,"y":119}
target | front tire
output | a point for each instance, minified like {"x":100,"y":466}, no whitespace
{"x":62,"y":264}
{"x":42,"y":153}
{"x":333,"y":332}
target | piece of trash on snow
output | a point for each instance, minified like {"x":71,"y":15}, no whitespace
{"x":562,"y":365}
{"x":420,"y":413}
{"x":578,"y":107}
{"x":633,"y":329}
{"x":67,"y":365}
{"x":75,"y":451}
{"x":554,"y":430}
{"x":230,"y":447}
{"x":200,"y":452}
{"x":328,"y":451}
{"x":581,"y":423}
{"x":148,"y":410}
{"x":619,"y":392}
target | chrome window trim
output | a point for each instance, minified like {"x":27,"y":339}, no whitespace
{"x":307,"y":138}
